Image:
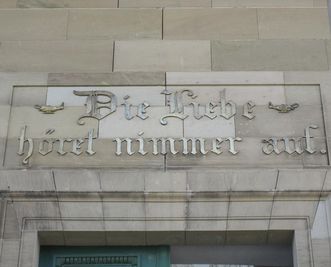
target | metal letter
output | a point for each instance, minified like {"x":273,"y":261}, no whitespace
{"x":141,"y":144}
{"x":217,"y":146}
{"x":142,"y":111}
{"x":232,"y":141}
{"x":228,"y":108}
{"x":76,"y":146}
{"x":248,"y":110}
{"x":44,"y":152}
{"x":119,"y":142}
{"x":210,"y":110}
{"x":155,"y":145}
{"x":297,"y":146}
{"x":127,"y":108}
{"x":61,"y":145}
{"x":94,"y":104}
{"x":309,"y":141}
{"x":89,"y":150}
{"x":176,"y":106}
{"x":194,"y":145}
{"x":21,"y":146}
{"x":171,"y":142}
{"x":271,"y":146}
{"x":196,"y":110}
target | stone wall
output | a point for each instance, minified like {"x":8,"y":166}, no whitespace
{"x":164,"y":43}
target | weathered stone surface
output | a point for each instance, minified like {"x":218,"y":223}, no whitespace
{"x":206,"y":127}
{"x":85,"y":238}
{"x":76,"y":180}
{"x":250,"y":208}
{"x":56,"y":56}
{"x":29,"y":96}
{"x":262,"y":3}
{"x":64,"y":122}
{"x":165,"y":182}
{"x":26,"y":180}
{"x":122,"y":181}
{"x":205,"y":238}
{"x":292,"y":124}
{"x":248,"y":225}
{"x":8,"y":3}
{"x":4,"y":120}
{"x":124,"y":209}
{"x":10,"y":252}
{"x":250,"y":154}
{"x":252,"y":180}
{"x":246,"y":237}
{"x":33,"y":24}
{"x":12,"y":226}
{"x":207,"y":181}
{"x":305,"y":95}
{"x":114,"y":24}
{"x":228,"y":77}
{"x":321,"y":3}
{"x":67,"y":3}
{"x":205,"y":209}
{"x":126,"y":238}
{"x":269,"y":55}
{"x":294,"y":23}
{"x":328,"y":46}
{"x":163,"y":237}
{"x":29,"y":240}
{"x":162,"y":56}
{"x":51,"y":238}
{"x":80,"y":209}
{"x":294,"y":208}
{"x":210,"y":24}
{"x":164,"y":3}
{"x":114,"y":78}
{"x":300,"y":180}
{"x":10,"y":79}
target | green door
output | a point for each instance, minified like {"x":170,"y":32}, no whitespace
{"x":104,"y":256}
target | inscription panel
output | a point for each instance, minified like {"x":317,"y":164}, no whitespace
{"x":168,"y":127}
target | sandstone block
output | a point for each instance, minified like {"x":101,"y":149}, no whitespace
{"x":77,"y":180}
{"x":29,"y":96}
{"x":165,"y":181}
{"x":115,"y":24}
{"x":263,"y":3}
{"x":164,"y":3}
{"x":162,"y":56}
{"x":210,"y":24}
{"x":114,"y":78}
{"x":33,"y":24}
{"x":294,"y":23}
{"x":228,"y":77}
{"x":300,"y":180}
{"x":67,"y":4}
{"x":56,"y":56}
{"x":269,"y":55}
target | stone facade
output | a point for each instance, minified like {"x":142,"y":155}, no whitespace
{"x":271,"y":50}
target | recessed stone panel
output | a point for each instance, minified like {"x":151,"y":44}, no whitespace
{"x":189,"y":126}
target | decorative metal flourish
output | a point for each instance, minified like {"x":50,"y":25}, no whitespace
{"x":49,"y":109}
{"x":283,"y":108}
